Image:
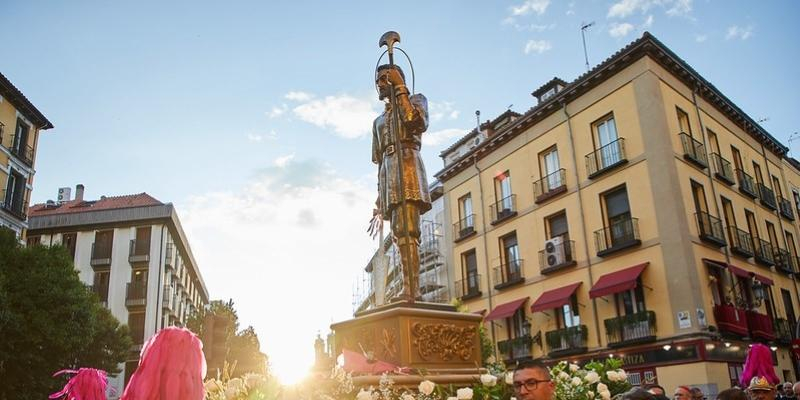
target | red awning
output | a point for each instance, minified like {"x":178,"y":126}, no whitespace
{"x":554,"y":298}
{"x":741,"y":272}
{"x":505,"y":310}
{"x":616,"y":282}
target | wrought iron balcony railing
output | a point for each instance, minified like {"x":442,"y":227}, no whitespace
{"x":783,"y":331}
{"x":24,"y":153}
{"x":631,"y":329}
{"x":139,"y":251}
{"x":693,"y":150}
{"x":469,"y":287}
{"x":763,"y":252}
{"x":136,"y":294}
{"x":567,"y":341}
{"x":464,"y":227}
{"x":622,"y":234}
{"x":508,"y":274}
{"x":606,"y":158}
{"x":556,"y":256}
{"x":710,"y":229}
{"x":722,"y":169}
{"x":786,"y":208}
{"x":550,"y":186}
{"x":15,"y":205}
{"x":504,"y":209}
{"x":741,"y":242}
{"x":746,"y":184}
{"x":784,"y":261}
{"x":767,"y":197}
{"x":101,"y":254}
{"x":516,"y":348}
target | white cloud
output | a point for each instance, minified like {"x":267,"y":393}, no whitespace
{"x":444,"y":136}
{"x":680,"y":7}
{"x":700,"y":38}
{"x":260,"y":137}
{"x":283,"y":161}
{"x":438,"y":111}
{"x":348,"y":116}
{"x":277,"y":111}
{"x":620,"y":30}
{"x":299,"y":96}
{"x":528,"y":6}
{"x":534,"y":27}
{"x":537,"y":46}
{"x":571,"y":8}
{"x":737,"y":32}
{"x":625,"y":8}
{"x":648,"y":22}
{"x":260,"y":243}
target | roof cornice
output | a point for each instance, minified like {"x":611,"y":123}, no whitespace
{"x":21,"y":103}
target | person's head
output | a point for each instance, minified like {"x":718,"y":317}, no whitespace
{"x":638,"y":394}
{"x":381,"y":81}
{"x":655,"y":389}
{"x":682,"y":393}
{"x":171,"y":366}
{"x":697,"y":394}
{"x":787,"y":389}
{"x":796,"y":389}
{"x":732,"y":394}
{"x":761,"y":389}
{"x":779,"y":388}
{"x":532,"y":381}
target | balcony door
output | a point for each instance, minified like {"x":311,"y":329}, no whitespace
{"x":550,"y":167}
{"x":789,"y":309}
{"x":510,"y":255}
{"x":470,"y":273}
{"x":103,"y":244}
{"x":465,"y":212}
{"x":606,"y":135}
{"x":69,"y":241}
{"x":619,"y":216}
{"x":631,"y":301}
{"x":142,"y":243}
{"x":21,"y":136}
{"x":502,"y":185}
{"x":752,"y":226}
{"x":568,"y":316}
{"x":100,"y":284}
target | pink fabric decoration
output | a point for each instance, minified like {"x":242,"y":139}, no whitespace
{"x":171,"y":366}
{"x":87,"y":384}
{"x":758,"y":363}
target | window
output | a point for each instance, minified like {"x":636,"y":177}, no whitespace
{"x":103,"y":241}
{"x":142,"y":243}
{"x":751,"y":224}
{"x":699,"y":195}
{"x":788,"y":307}
{"x":737,"y":158}
{"x":618,"y":215}
{"x":683,"y":122}
{"x":606,"y":131}
{"x":100,"y":284}
{"x":14,"y":200}
{"x":757,"y":173}
{"x":136,"y":325}
{"x":502,"y":191}
{"x":519,"y":326}
{"x":465,"y":212}
{"x":717,"y":291}
{"x":730,"y":216}
{"x":33,"y":241}
{"x":69,"y":240}
{"x":776,"y":186}
{"x":470,"y":264}
{"x":790,"y":244}
{"x":568,"y":316}
{"x":139,"y":277}
{"x":796,"y":200}
{"x":549,"y":167}
{"x":631,"y":301}
{"x":21,"y":136}
{"x":712,"y":141}
{"x":773,"y":238}
{"x":556,"y":226}
{"x":510,"y":257}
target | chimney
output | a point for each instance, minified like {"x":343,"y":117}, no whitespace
{"x":79,"y":192}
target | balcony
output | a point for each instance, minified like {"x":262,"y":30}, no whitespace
{"x":722,"y":169}
{"x":783,"y":331}
{"x":693,"y":151}
{"x":606,"y":158}
{"x":550,"y":186}
{"x":469,"y":288}
{"x":567,"y":341}
{"x":767,"y":197}
{"x":504,"y":209}
{"x":741,"y":242}
{"x":508,"y":274}
{"x":557,"y":255}
{"x":24,"y":153}
{"x":620,"y":235}
{"x":710,"y":229}
{"x":139,"y":251}
{"x":167,"y":302}
{"x":747,"y":185}
{"x":764,"y":254}
{"x":631,"y":329}
{"x":169,"y":258}
{"x":784,"y":261}
{"x":136,"y":294}
{"x":786,"y":208}
{"x":760,"y":326}
{"x":16,"y":205}
{"x":731,"y":320}
{"x":101,"y":291}
{"x":101,"y":254}
{"x":516,"y":349}
{"x":464,"y":228}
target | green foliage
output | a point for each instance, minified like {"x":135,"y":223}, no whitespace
{"x":487,"y":348}
{"x":50,"y":321}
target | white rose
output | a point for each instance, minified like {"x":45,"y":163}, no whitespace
{"x":426,"y":387}
{"x":236,"y":383}
{"x":576,"y":381}
{"x":574,"y":367}
{"x":601,"y":387}
{"x":606,"y":395}
{"x":364,"y":395}
{"x":452,"y":398}
{"x":563,"y":375}
{"x":407,"y":397}
{"x":230,"y":392}
{"x":488,"y":380}
{"x":513,"y":398}
{"x":490,"y":360}
{"x":464,"y":394}
{"x":612,"y":375}
{"x":590,"y":394}
{"x":213,"y":385}
{"x":622,"y":375}
{"x":592,"y":377}
{"x":509,"y":378}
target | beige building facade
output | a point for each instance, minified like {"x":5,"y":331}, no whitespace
{"x":634,"y":212}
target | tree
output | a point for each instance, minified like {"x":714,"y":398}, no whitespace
{"x":49,"y":321}
{"x":218,"y":326}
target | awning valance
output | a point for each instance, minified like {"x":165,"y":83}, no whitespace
{"x":554,"y":298}
{"x":618,"y":281}
{"x":740,"y":271}
{"x":505,"y":310}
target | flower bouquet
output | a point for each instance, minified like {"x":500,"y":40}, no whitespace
{"x":596,"y":380}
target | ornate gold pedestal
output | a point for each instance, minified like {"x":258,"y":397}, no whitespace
{"x":430,"y":339}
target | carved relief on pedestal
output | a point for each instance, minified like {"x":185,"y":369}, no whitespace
{"x":388,"y":343}
{"x":445,"y":341}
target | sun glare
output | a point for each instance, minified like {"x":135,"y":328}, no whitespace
{"x":290,"y":369}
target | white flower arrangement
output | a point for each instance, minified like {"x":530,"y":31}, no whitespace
{"x":594,"y":381}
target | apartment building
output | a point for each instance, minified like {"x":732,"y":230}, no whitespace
{"x":20,"y":125}
{"x":634,"y":212}
{"x":133,"y":253}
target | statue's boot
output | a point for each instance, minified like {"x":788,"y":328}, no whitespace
{"x":409,"y":256}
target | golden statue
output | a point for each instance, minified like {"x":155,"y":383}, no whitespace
{"x":402,"y":182}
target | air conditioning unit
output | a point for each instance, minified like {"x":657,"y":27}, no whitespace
{"x":554,"y":251}
{"x":64,"y":194}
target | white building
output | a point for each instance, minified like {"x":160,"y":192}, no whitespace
{"x":132,"y":251}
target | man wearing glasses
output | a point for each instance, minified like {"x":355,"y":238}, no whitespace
{"x":532,"y":382}
{"x":761,"y":389}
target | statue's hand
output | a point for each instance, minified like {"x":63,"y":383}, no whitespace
{"x":394,"y":77}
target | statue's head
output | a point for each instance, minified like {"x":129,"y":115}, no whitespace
{"x":381,"y":80}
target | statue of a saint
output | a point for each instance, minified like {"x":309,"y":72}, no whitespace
{"x":402,"y":181}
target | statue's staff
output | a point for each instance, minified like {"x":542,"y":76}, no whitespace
{"x":389,"y":39}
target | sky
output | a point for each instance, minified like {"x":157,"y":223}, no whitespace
{"x":254,"y":117}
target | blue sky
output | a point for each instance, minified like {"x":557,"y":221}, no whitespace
{"x":254,"y":117}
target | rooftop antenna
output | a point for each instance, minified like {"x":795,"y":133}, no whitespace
{"x":792,"y":138}
{"x":764,"y":119}
{"x":509,"y":106}
{"x":584,"y":27}
{"x":478,"y":121}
